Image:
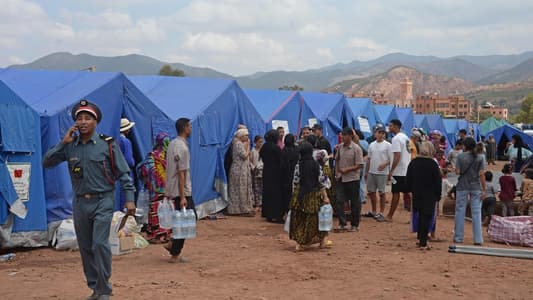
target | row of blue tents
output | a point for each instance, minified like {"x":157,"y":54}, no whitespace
{"x":36,"y":108}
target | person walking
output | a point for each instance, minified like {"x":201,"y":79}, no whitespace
{"x":127,"y":150}
{"x":322,"y":142}
{"x":424,"y":181}
{"x":289,"y":159}
{"x":240,"y":178}
{"x":179,"y":187}
{"x":401,"y":156}
{"x":349,"y":162}
{"x":94,"y":163}
{"x":491,"y":150}
{"x":308,"y":196}
{"x":470,"y":167}
{"x":270,"y":154}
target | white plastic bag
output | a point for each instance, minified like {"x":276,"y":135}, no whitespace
{"x":65,"y":236}
{"x":287,"y":226}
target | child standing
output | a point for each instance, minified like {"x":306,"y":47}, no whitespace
{"x":527,"y":192}
{"x":508,"y":189}
{"x":488,"y":207}
{"x":446,"y":189}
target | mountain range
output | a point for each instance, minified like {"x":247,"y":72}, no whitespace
{"x":460,"y":74}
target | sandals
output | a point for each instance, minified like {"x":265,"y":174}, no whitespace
{"x":369,"y":215}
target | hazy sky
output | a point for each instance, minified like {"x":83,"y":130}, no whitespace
{"x":242,"y":37}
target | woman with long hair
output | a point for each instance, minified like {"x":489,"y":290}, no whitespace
{"x":470,"y":167}
{"x":309,"y":194}
{"x":517,"y":152}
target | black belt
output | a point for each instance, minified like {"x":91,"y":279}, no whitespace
{"x":93,"y":195}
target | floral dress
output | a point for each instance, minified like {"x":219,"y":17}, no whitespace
{"x":240,"y":182}
{"x":304,"y":213}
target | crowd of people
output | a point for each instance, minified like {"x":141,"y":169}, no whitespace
{"x":288,"y":179}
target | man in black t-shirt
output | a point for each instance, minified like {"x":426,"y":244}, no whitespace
{"x":322,"y":142}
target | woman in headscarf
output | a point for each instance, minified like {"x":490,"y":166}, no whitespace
{"x":152,"y":173}
{"x":424,"y":180}
{"x":240,"y":179}
{"x":270,"y":154}
{"x":309,"y":194}
{"x":289,"y":159}
{"x":491,"y":150}
{"x":517,"y":153}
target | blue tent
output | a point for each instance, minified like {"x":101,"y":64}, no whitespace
{"x":452,"y":127}
{"x":275,"y":105}
{"x":20,"y":143}
{"x":506,"y":132}
{"x":216,"y":107}
{"x":52,"y":94}
{"x":363,"y":108}
{"x":332,"y":111}
{"x":421,"y":122}
{"x":406,"y":116}
{"x":385,"y":113}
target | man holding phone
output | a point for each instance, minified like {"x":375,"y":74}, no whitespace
{"x":95,"y":163}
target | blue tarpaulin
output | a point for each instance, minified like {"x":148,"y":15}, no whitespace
{"x":421,"y":122}
{"x":332,"y":111}
{"x":406,"y":116}
{"x":452,"y":128}
{"x":276,"y":105}
{"x":385,"y":113}
{"x":363,"y":108}
{"x":52,"y":94}
{"x":216,"y":107}
{"x":508,"y":131}
{"x":20,"y":143}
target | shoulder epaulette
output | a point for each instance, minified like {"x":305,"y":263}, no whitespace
{"x":107,"y":138}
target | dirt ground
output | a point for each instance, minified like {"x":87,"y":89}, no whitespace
{"x":247,"y":258}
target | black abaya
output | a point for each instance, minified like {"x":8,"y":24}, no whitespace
{"x":273,"y":208}
{"x":289,"y":159}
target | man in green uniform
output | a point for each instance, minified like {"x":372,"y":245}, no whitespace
{"x":95,"y":162}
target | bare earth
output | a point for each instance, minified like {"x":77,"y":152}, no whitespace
{"x":247,"y":258}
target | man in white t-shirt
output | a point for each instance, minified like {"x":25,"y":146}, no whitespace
{"x":379,"y":159}
{"x":401,"y":156}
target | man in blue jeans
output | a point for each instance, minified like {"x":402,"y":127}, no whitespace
{"x":349,"y":162}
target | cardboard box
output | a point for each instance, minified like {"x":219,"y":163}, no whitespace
{"x":121,"y":246}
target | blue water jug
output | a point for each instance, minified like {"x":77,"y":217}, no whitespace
{"x":325,"y":218}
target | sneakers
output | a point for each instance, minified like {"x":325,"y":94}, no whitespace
{"x":353,"y":229}
{"x":380,"y":217}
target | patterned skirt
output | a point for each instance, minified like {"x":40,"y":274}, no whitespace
{"x":304,"y":218}
{"x":155,"y":234}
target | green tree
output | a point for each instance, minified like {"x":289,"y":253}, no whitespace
{"x":167,"y":70}
{"x":526,"y":111}
{"x":291,"y":88}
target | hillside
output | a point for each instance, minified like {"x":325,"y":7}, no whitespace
{"x":132,"y":64}
{"x":521,"y":72}
{"x":388,"y":83}
{"x":478,"y":69}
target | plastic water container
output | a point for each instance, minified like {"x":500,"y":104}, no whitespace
{"x":191,"y":222}
{"x":143,"y":206}
{"x":165,"y":212}
{"x":325,"y":218}
{"x":179,"y":225}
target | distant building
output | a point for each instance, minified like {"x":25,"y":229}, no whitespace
{"x":496,"y":111}
{"x":449,"y":107}
{"x":406,"y":94}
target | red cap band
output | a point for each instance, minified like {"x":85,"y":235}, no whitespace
{"x":87,"y":109}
